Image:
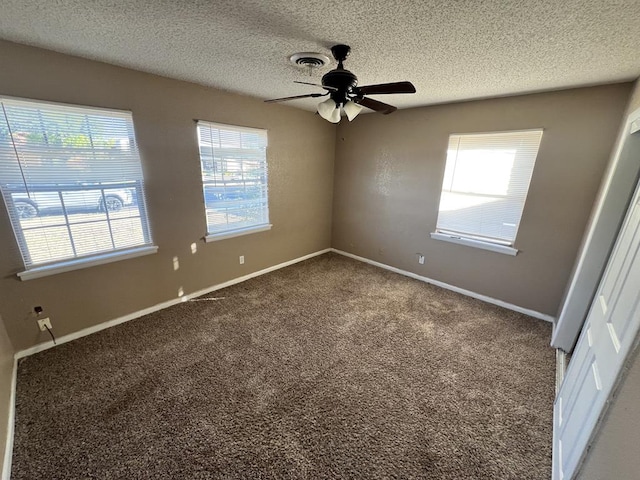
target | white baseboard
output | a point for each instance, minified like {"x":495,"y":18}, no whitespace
{"x":140,"y":313}
{"x":8,"y":452}
{"x":469,"y":293}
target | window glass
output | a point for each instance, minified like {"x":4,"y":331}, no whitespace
{"x":71,"y":180}
{"x":485,"y":184}
{"x":234,"y":177}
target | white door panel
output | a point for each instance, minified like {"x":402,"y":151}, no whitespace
{"x":621,"y":254}
{"x":608,"y":334}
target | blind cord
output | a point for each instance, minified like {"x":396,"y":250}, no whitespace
{"x":13,"y":144}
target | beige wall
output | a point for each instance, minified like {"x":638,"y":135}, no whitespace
{"x":389,"y":173}
{"x":612,"y":456}
{"x":634,"y":102}
{"x":6,"y":378}
{"x":300,"y":157}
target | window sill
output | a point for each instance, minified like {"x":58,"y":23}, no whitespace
{"x":80,"y":263}
{"x":213,"y":237}
{"x":493,"y":247}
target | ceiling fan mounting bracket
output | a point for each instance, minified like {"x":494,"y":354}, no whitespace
{"x":340,"y":53}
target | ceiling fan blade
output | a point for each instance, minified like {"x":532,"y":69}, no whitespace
{"x":310,"y":95}
{"x":316,"y":85}
{"x":383,"y":88}
{"x":381,"y":107}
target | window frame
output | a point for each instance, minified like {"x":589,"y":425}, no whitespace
{"x":476,"y":240}
{"x":245,"y":230}
{"x":55,"y":266}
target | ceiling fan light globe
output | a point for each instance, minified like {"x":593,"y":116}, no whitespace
{"x":327,"y":108}
{"x":352,"y":109}
{"x":335,"y":116}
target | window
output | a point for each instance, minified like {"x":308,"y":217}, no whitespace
{"x":485,"y":186}
{"x":72,"y":183}
{"x":234,"y":179}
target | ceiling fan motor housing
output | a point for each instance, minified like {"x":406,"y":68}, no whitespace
{"x":343,"y":80}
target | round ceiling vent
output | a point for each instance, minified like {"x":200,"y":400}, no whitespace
{"x":309,"y":59}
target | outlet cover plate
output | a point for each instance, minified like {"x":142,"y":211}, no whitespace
{"x":43,"y":323}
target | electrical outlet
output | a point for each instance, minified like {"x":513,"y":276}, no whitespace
{"x":241,"y":259}
{"x":44,"y":323}
{"x":421,"y":259}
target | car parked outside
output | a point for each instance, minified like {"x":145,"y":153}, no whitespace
{"x":49,"y":199}
{"x":238,"y":195}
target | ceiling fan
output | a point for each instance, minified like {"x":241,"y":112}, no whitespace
{"x":343,"y":91}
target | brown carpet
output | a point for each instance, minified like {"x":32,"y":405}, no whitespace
{"x":330,"y":368}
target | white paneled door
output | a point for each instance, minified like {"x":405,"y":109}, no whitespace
{"x":607,"y":337}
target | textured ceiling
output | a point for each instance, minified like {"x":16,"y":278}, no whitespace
{"x":455,"y":50}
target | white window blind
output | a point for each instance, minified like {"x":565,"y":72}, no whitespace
{"x":234,"y":177}
{"x":485,"y":184}
{"x":71,"y":180}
